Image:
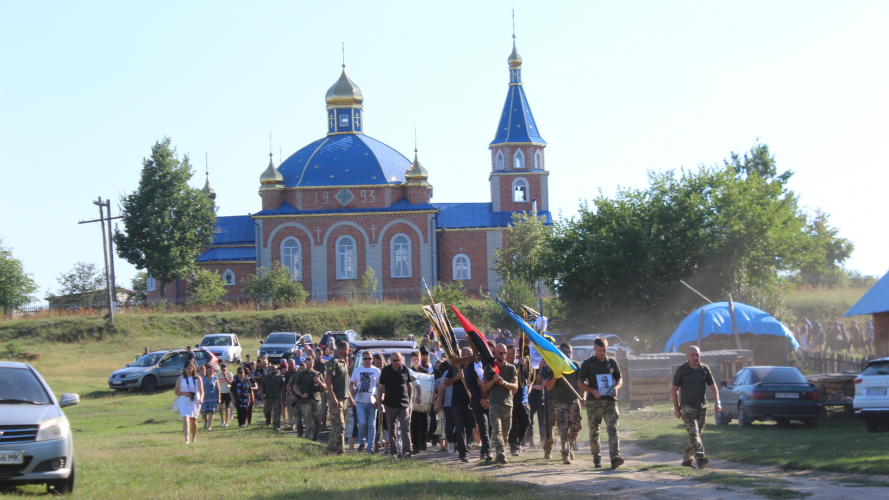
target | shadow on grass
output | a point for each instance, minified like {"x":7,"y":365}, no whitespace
{"x":412,"y":489}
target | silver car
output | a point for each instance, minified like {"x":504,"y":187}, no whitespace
{"x":153,"y":370}
{"x":36,"y":446}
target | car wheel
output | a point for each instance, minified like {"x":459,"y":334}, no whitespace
{"x":876,"y":426}
{"x":722,"y":418}
{"x":63,"y":486}
{"x":149,"y":383}
{"x":743,"y":419}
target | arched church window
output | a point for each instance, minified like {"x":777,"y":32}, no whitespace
{"x":518,"y":162}
{"x":291,"y":257}
{"x":538,"y":161}
{"x":499,"y":164}
{"x":228,"y":277}
{"x":401,"y":256}
{"x":462,"y":269}
{"x":520,"y":190}
{"x":346,"y":261}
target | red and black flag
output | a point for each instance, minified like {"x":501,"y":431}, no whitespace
{"x":479,"y":344}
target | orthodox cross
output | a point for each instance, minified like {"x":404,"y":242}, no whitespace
{"x":373,"y":232}
{"x":460,"y":250}
{"x":319,"y":234}
{"x":331,"y":119}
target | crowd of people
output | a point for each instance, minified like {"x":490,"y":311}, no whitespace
{"x":833,"y":335}
{"x":375,"y":402}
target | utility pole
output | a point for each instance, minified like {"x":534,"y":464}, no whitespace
{"x":105,"y":251}
{"x":111,"y":253}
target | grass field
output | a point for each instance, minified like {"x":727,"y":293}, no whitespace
{"x":838,"y":445}
{"x":130,"y":445}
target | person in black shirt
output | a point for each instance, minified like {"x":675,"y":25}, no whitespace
{"x":459,"y":410}
{"x":396,"y":392}
{"x":693,"y":378}
{"x":190,"y":356}
{"x":472,"y":374}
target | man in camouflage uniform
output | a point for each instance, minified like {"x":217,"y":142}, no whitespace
{"x":566,"y":408}
{"x":500,"y":388}
{"x":321,"y":367}
{"x":692,"y":379}
{"x":548,"y":423}
{"x":294,"y":402}
{"x":337,"y":383}
{"x":308,"y":386}
{"x":601,"y":407}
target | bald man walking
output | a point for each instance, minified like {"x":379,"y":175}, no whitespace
{"x":692,"y":379}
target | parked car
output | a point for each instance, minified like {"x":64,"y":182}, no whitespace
{"x":279,"y":345}
{"x":614,"y":342}
{"x":330,"y":339}
{"x":779,"y":393}
{"x":153,"y":370}
{"x":225,"y":346}
{"x":36,"y":445}
{"x":871,"y":402}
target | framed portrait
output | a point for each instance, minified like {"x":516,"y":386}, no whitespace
{"x":606,"y":384}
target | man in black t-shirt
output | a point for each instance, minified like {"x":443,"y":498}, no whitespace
{"x":397,"y":392}
{"x":459,"y":411}
{"x":600,"y":406}
{"x":693,"y":378}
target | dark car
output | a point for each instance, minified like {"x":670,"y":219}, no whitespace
{"x":778,"y":393}
{"x":330,"y":339}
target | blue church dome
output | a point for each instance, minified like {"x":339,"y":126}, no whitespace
{"x":344,"y":160}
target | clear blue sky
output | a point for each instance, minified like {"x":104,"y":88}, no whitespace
{"x":617,"y":89}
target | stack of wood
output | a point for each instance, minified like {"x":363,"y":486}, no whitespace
{"x":837,"y":382}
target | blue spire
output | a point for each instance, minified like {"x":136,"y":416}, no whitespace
{"x":516,"y":123}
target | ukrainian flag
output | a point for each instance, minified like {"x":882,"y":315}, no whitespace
{"x":555,"y":359}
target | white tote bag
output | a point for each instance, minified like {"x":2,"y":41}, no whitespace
{"x":176,"y":405}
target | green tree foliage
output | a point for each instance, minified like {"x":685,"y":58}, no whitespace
{"x":17,"y":288}
{"x":826,"y":266}
{"x":206,"y":287}
{"x":369,"y":284}
{"x":276,"y":286}
{"x":735,"y":228}
{"x":523,"y":251}
{"x":166,"y":222}
{"x":84,"y":284}
{"x":514,"y":293}
{"x":449,"y":294}
{"x":140,"y":288}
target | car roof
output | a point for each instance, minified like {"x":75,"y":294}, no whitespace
{"x":878,"y":360}
{"x":13,"y":364}
{"x":220,"y":334}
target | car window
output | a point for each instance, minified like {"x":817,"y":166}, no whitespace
{"x":881,"y":368}
{"x":237,"y":343}
{"x":200,"y":355}
{"x":739,"y":378}
{"x":216,"y":341}
{"x":777,"y":376}
{"x":21,"y":383}
{"x":281,"y":338}
{"x":149,"y":359}
{"x":174,"y":359}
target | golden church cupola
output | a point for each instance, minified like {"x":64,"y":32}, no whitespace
{"x":344,"y":106}
{"x":271,"y":178}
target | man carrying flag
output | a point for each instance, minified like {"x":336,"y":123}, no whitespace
{"x":500,"y":387}
{"x":567,"y":410}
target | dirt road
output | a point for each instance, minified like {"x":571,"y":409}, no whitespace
{"x":654,"y":475}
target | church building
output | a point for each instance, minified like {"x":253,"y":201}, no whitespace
{"x":348,"y":202}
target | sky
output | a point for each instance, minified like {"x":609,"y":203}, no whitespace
{"x":618,"y":89}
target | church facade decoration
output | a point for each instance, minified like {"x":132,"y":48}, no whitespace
{"x":348,"y":202}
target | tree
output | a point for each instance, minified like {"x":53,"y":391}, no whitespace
{"x":826,"y":266}
{"x":84,"y":284}
{"x":524,"y":247}
{"x":732,"y":228}
{"x":206,"y":287}
{"x":514,"y":293}
{"x":140,"y":288}
{"x":275,"y":285}
{"x":369,"y":283}
{"x":166,"y":222}
{"x":17,"y":288}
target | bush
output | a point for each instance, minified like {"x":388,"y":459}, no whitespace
{"x":206,"y":287}
{"x":276,"y":286}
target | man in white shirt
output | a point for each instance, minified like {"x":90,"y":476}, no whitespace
{"x":364,"y":389}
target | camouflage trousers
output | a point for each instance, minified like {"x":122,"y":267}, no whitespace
{"x":596,"y":411}
{"x":549,"y":424}
{"x":500,"y":417}
{"x":336,"y":442}
{"x":296,"y":415}
{"x":694,"y":424}
{"x":325,"y":408}
{"x":570,"y":423}
{"x":272,"y":410}
{"x":311,"y":409}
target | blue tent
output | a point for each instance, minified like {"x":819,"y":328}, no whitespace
{"x":718,"y":321}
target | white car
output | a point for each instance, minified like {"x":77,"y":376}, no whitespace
{"x":225,"y":346}
{"x":613,"y":343}
{"x":36,"y":446}
{"x":871,"y":401}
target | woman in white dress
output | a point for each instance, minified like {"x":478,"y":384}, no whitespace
{"x":190,"y":389}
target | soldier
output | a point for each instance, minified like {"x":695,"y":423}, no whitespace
{"x":694,"y":378}
{"x":600,"y":407}
{"x":500,"y":388}
{"x":270,"y":390}
{"x":548,"y":412}
{"x":321,"y":367}
{"x":337,"y":382}
{"x":567,"y":407}
{"x":296,"y":404}
{"x":308,"y":386}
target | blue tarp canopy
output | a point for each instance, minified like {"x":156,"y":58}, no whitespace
{"x":718,"y":321}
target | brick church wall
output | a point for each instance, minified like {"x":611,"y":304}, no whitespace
{"x":475,"y":246}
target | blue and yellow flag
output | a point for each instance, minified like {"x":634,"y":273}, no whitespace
{"x":555,"y":359}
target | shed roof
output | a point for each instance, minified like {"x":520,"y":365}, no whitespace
{"x":876,"y":300}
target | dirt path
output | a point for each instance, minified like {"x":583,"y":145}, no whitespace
{"x":643,"y":476}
